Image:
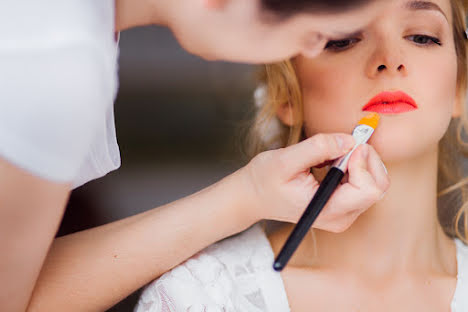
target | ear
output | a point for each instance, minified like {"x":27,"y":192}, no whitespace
{"x":213,"y":4}
{"x":285,"y":114}
{"x":459,"y":102}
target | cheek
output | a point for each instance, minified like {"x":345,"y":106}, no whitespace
{"x":442,"y":76}
{"x":412,"y":134}
{"x":329,"y":96}
{"x":250,"y":41}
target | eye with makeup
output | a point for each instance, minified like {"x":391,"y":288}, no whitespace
{"x":424,"y":40}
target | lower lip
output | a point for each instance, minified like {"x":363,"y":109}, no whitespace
{"x":390,"y":108}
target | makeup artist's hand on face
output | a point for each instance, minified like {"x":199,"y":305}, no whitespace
{"x":282,"y":184}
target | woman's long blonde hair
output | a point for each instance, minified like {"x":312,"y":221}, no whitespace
{"x":282,"y":86}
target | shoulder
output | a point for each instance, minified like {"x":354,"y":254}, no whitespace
{"x":233,"y":275}
{"x":460,"y":300}
{"x":38,"y":22}
{"x":66,"y":36}
{"x":63,"y":53}
{"x":58,"y":63}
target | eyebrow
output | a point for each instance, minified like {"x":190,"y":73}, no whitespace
{"x":417,"y":5}
{"x":414,"y":5}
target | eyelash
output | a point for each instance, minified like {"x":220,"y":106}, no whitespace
{"x":334,"y":45}
{"x":344,"y":44}
{"x":432,"y":40}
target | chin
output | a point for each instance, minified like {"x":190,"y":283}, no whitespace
{"x":404,"y":140}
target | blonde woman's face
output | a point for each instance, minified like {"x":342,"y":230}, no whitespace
{"x":409,"y":47}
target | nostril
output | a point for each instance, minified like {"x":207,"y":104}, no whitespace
{"x":381,"y":67}
{"x":400,"y":67}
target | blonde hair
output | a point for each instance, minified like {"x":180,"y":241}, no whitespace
{"x":282,"y":86}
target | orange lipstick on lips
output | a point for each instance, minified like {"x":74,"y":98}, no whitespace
{"x":391,"y":103}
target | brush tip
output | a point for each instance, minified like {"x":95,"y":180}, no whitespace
{"x":371,"y":120}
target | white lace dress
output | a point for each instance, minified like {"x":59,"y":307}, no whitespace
{"x":236,"y":275}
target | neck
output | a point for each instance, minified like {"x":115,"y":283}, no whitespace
{"x":401,"y":232}
{"x":134,"y":13}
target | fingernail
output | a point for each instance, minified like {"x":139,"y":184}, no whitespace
{"x":344,"y":142}
{"x":384,"y":168}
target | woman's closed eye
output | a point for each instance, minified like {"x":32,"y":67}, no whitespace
{"x":424,"y":40}
{"x":341,"y":44}
{"x":346,"y":43}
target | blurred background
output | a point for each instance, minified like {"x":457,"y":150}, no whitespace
{"x":179,"y":123}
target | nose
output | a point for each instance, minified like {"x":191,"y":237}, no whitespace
{"x":386,"y":60}
{"x":313,"y":44}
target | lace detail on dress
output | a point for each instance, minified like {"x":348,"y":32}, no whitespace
{"x":234,"y":275}
{"x":159,"y":292}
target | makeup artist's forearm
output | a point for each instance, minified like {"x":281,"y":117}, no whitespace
{"x":94,"y":269}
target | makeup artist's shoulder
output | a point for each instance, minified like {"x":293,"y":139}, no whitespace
{"x":222,"y":277}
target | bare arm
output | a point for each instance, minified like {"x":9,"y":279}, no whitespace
{"x":96,"y":268}
{"x":30,"y":212}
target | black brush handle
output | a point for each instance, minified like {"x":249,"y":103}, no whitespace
{"x":321,"y":197}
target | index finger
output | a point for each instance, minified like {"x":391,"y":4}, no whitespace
{"x":317,"y":149}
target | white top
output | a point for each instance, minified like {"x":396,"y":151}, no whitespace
{"x":58,"y":80}
{"x":237,"y":275}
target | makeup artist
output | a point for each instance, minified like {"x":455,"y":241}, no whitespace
{"x":58,"y":80}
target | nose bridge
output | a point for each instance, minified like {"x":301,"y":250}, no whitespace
{"x":386,"y":57}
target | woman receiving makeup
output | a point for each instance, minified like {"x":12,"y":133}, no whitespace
{"x":408,"y":251}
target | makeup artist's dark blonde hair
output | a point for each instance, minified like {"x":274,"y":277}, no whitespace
{"x":282,"y":86}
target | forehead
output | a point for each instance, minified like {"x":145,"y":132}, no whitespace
{"x":438,"y":7}
{"x":394,"y":8}
{"x":341,"y":24}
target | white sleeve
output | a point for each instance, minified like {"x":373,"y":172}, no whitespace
{"x":50,"y":102}
{"x":54,"y":82}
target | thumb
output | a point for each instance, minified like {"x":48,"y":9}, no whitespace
{"x":358,"y":171}
{"x":360,"y":156}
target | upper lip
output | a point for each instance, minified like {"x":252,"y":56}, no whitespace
{"x":388,"y":97}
